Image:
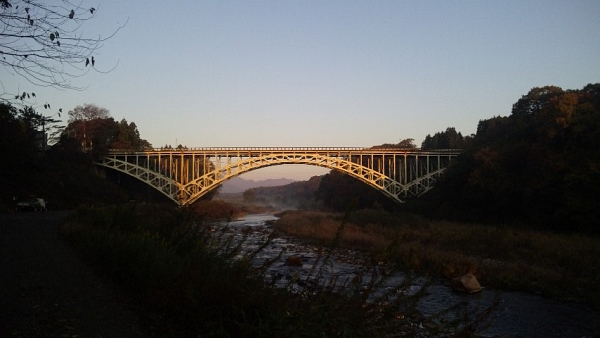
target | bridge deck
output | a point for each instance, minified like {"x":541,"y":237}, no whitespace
{"x":257,"y":151}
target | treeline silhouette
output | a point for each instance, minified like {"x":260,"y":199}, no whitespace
{"x":539,"y":167}
{"x":63,"y":172}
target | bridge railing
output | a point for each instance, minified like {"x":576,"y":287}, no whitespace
{"x":262,"y":150}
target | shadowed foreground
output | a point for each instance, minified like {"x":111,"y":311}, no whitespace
{"x":46,"y":291}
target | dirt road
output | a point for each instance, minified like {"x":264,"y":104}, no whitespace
{"x":47,"y":291}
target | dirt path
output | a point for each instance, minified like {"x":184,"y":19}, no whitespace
{"x":47,"y":291}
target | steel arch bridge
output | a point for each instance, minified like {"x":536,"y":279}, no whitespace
{"x":185,"y":175}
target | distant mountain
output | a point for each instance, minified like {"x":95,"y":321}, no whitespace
{"x":238,"y":184}
{"x":295,"y":190}
{"x":296,"y":195}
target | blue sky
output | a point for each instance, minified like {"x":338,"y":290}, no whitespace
{"x":326,"y":73}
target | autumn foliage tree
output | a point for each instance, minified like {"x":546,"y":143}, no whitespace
{"x":94,"y":129}
{"x":540,"y":165}
{"x":31,"y":167}
{"x":85,"y":122}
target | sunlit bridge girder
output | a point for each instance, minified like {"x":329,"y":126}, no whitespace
{"x":186,"y":175}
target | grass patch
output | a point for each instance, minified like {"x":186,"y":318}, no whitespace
{"x":558,"y":265}
{"x":215,"y":210}
{"x":192,"y":282}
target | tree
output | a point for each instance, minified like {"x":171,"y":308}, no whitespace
{"x":45,"y":43}
{"x":24,"y":129}
{"x":408,"y":143}
{"x":249,"y":196}
{"x":84,"y":122}
{"x":339,"y":192}
{"x":449,"y":139}
{"x":96,"y":130}
{"x":540,"y":165}
{"x":129,"y":137}
{"x":14,"y":138}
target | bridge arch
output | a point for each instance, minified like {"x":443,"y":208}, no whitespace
{"x":185,"y":176}
{"x":207,"y":182}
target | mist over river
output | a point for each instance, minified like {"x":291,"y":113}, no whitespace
{"x":517,"y":314}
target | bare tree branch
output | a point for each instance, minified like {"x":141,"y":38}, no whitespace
{"x":43,"y":41}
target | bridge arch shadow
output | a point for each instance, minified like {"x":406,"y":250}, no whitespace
{"x":187,"y":175}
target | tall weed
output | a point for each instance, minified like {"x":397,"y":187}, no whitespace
{"x":196,"y":282}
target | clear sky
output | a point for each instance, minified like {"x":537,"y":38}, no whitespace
{"x":326,"y":73}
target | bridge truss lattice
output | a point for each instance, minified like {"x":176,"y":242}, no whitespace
{"x":186,"y":175}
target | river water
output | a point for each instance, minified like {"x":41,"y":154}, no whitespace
{"x":517,"y":314}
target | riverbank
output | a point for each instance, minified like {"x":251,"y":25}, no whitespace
{"x":215,"y":210}
{"x":168,"y":289}
{"x":555,"y":265}
{"x":195,"y":279}
{"x":46,"y":290}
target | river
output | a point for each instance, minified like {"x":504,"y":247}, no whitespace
{"x":517,"y":314}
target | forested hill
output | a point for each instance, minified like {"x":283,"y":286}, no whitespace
{"x":539,"y":165}
{"x":42,"y":159}
{"x":239,"y":184}
{"x":296,"y":195}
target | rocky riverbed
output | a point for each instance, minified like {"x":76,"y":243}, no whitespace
{"x":515,"y":314}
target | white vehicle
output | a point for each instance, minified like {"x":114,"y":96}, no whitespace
{"x":33,"y":203}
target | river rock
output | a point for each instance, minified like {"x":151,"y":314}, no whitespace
{"x":466,"y":283}
{"x":294,"y":261}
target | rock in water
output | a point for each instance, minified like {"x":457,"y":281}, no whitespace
{"x":294,"y":261}
{"x":466,"y":283}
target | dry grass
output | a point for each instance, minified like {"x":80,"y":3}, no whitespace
{"x":215,"y":210}
{"x":322,"y":227}
{"x":188,"y":282}
{"x":558,"y":265}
